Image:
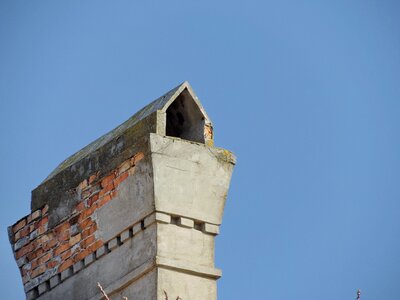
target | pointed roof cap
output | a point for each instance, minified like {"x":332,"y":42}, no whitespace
{"x":160,"y":104}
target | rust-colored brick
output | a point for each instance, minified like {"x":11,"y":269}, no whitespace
{"x":40,"y":248}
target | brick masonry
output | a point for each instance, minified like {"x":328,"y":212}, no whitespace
{"x":41,"y":252}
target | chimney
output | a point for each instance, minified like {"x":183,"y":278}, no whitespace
{"x":137,"y":210}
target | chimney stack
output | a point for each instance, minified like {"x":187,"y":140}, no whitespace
{"x":137,"y":210}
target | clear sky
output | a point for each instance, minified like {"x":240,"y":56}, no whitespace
{"x":306,"y":93}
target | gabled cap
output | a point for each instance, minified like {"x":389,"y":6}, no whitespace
{"x":185,"y":118}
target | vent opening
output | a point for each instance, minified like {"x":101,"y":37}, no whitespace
{"x":184,"y":119}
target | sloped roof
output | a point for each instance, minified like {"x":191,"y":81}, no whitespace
{"x":161,"y":104}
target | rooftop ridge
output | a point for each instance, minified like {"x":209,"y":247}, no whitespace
{"x":161,"y":103}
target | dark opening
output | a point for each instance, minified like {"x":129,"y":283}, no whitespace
{"x":184,"y":119}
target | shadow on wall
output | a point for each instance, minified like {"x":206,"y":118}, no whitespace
{"x":185,"y":120}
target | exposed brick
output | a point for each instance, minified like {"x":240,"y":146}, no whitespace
{"x":107,"y":180}
{"x":50,"y":244}
{"x":39,"y":270}
{"x":66,"y":254}
{"x":34,"y":264}
{"x":86,"y":213}
{"x":109,"y":187}
{"x":75,"y":250}
{"x":27,"y":267}
{"x":65,"y":265}
{"x":123,"y":167}
{"x":44,"y":238}
{"x":23,"y":260}
{"x":39,"y":252}
{"x":103,"y":200}
{"x":92,"y":228}
{"x":33,"y":235}
{"x":81,"y":206}
{"x":75,"y":229}
{"x":120,"y":178}
{"x":86,"y":194}
{"x":19,"y":225}
{"x":23,"y":232}
{"x":85,"y":243}
{"x":16,"y":236}
{"x":45,"y":209}
{"x":25,"y":279}
{"x":85,"y":233}
{"x":73,"y":220}
{"x":63,"y":236}
{"x":81,"y":255}
{"x":31,"y":256}
{"x":62,"y":228}
{"x":92,"y":178}
{"x":208,"y":132}
{"x":86,"y":223}
{"x":75,"y":239}
{"x":138,"y":157}
{"x":25,"y":271}
{"x":60,"y":249}
{"x":44,"y":258}
{"x":42,"y":222}
{"x":131,"y":171}
{"x":83,"y":185}
{"x":93,"y":199}
{"x":24,"y":250}
{"x":113,"y":194}
{"x":95,"y":189}
{"x":36,"y":214}
{"x":52,"y":264}
{"x":42,"y":229}
{"x":96,"y":245}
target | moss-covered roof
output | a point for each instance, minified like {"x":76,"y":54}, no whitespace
{"x":161,"y":104}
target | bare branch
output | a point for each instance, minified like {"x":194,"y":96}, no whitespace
{"x":102,"y":291}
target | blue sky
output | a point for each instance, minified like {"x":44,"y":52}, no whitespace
{"x":306,"y":93}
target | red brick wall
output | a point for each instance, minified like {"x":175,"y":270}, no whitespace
{"x":41,"y":252}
